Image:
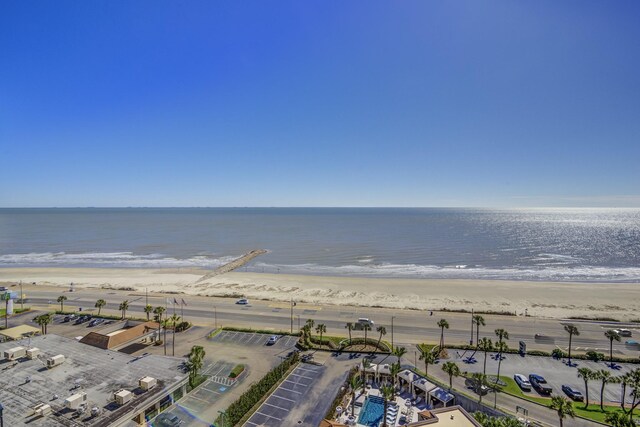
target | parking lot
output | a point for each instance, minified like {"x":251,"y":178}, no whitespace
{"x":554,"y":371}
{"x":191,"y":409}
{"x":284,"y":342}
{"x":291,"y":393}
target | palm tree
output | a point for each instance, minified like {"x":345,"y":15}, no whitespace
{"x":480,"y":381}
{"x":485,"y":345}
{"x":571,"y":330}
{"x":124,"y":306}
{"x":148,"y":309}
{"x":194,"y":363}
{"x":452,"y":370}
{"x":320,"y":329}
{"x":61,"y":299}
{"x":366,"y":327}
{"x":586,"y":374}
{"x":366,"y":364}
{"x":502,"y":334}
{"x":158,"y":312}
{"x":349,"y":327}
{"x":442,"y":324}
{"x":399,"y":352}
{"x":43,"y":320}
{"x":616,"y":419}
{"x":563,"y":406}
{"x":429,"y":359}
{"x":394,"y":371}
{"x":478,"y":320}
{"x":308,"y":326}
{"x":612,"y":335}
{"x":99,"y":304}
{"x":605,"y":377}
{"x":355,"y":384}
{"x":174,"y":319}
{"x":387,"y":394}
{"x":501,"y":347}
{"x":382,"y":331}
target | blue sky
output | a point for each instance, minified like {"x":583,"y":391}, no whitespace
{"x":253,"y":103}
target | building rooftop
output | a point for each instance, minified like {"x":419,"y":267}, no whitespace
{"x":96,"y":372}
{"x":19,"y":332}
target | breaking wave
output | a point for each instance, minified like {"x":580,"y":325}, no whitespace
{"x":109,"y":259}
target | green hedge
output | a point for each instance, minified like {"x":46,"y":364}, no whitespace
{"x":256,"y":392}
{"x":236,"y":371}
{"x":260,"y":331}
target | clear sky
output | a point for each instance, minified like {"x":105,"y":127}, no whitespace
{"x":319,"y":103}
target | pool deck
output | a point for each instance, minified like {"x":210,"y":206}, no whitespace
{"x":407,"y":412}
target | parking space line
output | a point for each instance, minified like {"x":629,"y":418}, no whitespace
{"x":302,"y":376}
{"x":278,"y":407}
{"x":258,"y":339}
{"x":292,"y":391}
{"x":307,"y":370}
{"x":283,"y":398}
{"x":251,"y":422}
{"x":268,"y":416}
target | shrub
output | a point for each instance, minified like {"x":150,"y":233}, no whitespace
{"x":182,"y":326}
{"x":236,"y":371}
{"x":257,"y":391}
{"x":594,"y":355}
{"x":558,"y":354}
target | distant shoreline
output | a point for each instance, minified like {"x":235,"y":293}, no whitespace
{"x":540,"y":299}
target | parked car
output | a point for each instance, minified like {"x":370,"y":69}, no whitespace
{"x":242,"y":301}
{"x":96,"y":322}
{"x":572,"y":393}
{"x":475,"y":386}
{"x":272,"y":340}
{"x":168,"y":420}
{"x":540,"y":384}
{"x":522,"y":381}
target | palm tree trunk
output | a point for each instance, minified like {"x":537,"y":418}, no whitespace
{"x":484,"y":369}
{"x":499,"y":363}
{"x":477,"y":333}
{"x":349,"y":335}
{"x":602,"y":396}
{"x":570,"y":336}
{"x":560,"y":421}
{"x":586,"y":394}
{"x":611,"y":351}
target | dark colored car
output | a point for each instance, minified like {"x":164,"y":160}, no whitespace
{"x":540,"y":387}
{"x":538,"y":378}
{"x":572,"y":393}
{"x":167,"y":420}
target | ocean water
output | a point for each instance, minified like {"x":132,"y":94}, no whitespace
{"x":518,"y":244}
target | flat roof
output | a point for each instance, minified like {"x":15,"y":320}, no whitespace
{"x":97,"y":372}
{"x":19,"y":331}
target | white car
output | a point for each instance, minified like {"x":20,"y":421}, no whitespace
{"x":523,"y":382}
{"x":272,"y":340}
{"x":243,"y":301}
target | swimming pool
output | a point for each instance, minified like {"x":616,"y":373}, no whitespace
{"x":372,"y":411}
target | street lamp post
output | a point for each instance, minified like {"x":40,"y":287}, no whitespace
{"x":392,"y":317}
{"x":471,"y":339}
{"x":215,"y":317}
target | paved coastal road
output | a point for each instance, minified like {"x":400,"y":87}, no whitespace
{"x":409,"y":326}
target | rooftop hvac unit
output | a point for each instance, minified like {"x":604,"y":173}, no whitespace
{"x":123,"y":397}
{"x":55,"y":361}
{"x":42,"y":410}
{"x":74,"y":401}
{"x":147,"y":383}
{"x":15,"y":353}
{"x":33,"y":353}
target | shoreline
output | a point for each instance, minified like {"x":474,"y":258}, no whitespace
{"x":537,"y":298}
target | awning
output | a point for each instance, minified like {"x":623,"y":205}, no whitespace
{"x":441,"y":395}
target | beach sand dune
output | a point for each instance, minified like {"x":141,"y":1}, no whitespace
{"x":545,"y":299}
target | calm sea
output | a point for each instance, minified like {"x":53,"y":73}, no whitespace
{"x":522,"y":244}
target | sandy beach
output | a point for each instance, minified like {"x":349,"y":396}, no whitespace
{"x":543,"y":299}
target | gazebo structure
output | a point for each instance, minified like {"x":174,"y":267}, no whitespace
{"x":383,"y":373}
{"x":421,"y":388}
{"x":440,"y":398}
{"x":406,"y":379}
{"x":371,"y":372}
